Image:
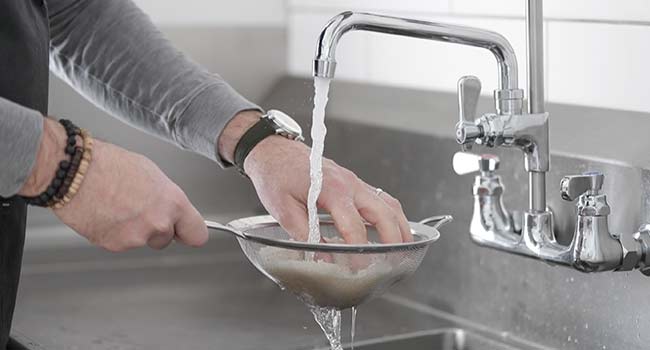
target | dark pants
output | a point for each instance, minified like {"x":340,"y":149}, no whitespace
{"x":13,"y":215}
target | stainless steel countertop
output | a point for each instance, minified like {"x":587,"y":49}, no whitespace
{"x":80,"y":297}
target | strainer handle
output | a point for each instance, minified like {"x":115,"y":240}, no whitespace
{"x":437,"y":221}
{"x":225,"y":228}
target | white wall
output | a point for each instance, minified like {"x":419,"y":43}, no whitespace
{"x":596,"y":51}
{"x":215,"y":12}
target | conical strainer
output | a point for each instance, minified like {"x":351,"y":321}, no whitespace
{"x":331,"y":274}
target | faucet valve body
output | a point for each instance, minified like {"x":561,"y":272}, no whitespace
{"x":510,"y":101}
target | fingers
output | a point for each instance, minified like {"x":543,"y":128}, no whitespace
{"x":294,"y":219}
{"x":158,"y":228}
{"x":379,"y":214}
{"x":396,"y":206}
{"x":402,"y":221}
{"x":160,"y":240}
{"x":347,"y":220}
{"x":190,"y":228}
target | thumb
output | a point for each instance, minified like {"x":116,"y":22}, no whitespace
{"x":190,"y":229}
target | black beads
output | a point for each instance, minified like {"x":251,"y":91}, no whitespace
{"x":65,"y":172}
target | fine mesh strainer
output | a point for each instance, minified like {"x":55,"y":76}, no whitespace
{"x":331,"y":274}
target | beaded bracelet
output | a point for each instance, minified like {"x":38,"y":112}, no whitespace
{"x":80,"y":162}
{"x":70,"y":172}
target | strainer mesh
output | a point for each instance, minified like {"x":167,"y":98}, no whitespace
{"x":339,"y":280}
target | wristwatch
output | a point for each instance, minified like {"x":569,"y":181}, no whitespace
{"x":274,"y":122}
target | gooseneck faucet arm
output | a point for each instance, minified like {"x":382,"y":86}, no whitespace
{"x":325,"y":60}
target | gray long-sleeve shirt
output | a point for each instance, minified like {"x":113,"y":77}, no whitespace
{"x":112,"y":54}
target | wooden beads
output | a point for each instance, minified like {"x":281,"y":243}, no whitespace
{"x":80,"y":163}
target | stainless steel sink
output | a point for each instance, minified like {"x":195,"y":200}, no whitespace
{"x":439,"y":339}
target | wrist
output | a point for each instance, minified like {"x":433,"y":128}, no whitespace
{"x":50,"y":152}
{"x":273,"y":148}
{"x":233,"y":131}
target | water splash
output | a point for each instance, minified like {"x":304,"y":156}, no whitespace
{"x":329,"y":320}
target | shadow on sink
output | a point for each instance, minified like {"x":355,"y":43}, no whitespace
{"x":439,"y":339}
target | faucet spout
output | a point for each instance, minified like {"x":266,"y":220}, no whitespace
{"x":325,"y":60}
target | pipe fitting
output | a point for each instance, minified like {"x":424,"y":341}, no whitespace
{"x":643,"y":237}
{"x":632,"y":252}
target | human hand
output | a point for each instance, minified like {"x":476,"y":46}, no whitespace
{"x":279,"y":170}
{"x":125,"y":200}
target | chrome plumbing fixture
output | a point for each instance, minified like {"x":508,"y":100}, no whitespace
{"x":508,"y":98}
{"x":593,"y":248}
{"x":531,"y":233}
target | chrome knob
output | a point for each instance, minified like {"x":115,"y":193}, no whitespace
{"x":466,"y":163}
{"x":573,"y":186}
{"x":469,"y":90}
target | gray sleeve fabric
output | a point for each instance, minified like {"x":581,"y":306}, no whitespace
{"x":111,"y":53}
{"x":20,"y":136}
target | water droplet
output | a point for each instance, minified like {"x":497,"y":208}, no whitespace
{"x":353,"y":326}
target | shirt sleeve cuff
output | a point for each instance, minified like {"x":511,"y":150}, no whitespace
{"x":204,"y":119}
{"x":21,"y":129}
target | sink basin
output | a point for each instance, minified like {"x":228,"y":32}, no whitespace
{"x":210,"y":298}
{"x":439,"y":339}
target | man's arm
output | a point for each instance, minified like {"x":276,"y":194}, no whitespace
{"x":20,"y":133}
{"x":111,"y":53}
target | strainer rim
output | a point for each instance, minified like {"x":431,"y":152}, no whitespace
{"x":429,"y":235}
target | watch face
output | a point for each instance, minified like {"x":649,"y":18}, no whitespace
{"x":285,"y":123}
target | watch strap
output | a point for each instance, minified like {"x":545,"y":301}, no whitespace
{"x":258,"y":132}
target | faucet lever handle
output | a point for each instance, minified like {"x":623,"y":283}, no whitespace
{"x":573,"y":186}
{"x":465,"y":163}
{"x":469,"y":90}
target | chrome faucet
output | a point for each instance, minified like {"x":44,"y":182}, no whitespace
{"x":531,"y":234}
{"x":508,"y":98}
{"x":593,"y":248}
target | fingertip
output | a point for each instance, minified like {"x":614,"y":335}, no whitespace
{"x":204,"y":237}
{"x":198,"y":237}
{"x":190,"y":229}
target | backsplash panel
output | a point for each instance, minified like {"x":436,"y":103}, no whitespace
{"x":596,"y":50}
